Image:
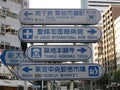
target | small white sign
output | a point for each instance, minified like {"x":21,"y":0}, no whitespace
{"x":59,"y":16}
{"x":13,"y":57}
{"x":59,"y":52}
{"x":59,"y":34}
{"x":83,"y":71}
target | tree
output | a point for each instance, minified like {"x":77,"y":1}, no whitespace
{"x":116,"y":76}
{"x":103,"y":81}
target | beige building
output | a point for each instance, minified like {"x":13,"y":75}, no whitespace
{"x":117,"y":41}
{"x":108,"y":38}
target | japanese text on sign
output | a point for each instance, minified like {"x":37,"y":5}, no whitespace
{"x":60,"y":34}
{"x":59,"y":16}
{"x":59,"y":71}
{"x":59,"y":52}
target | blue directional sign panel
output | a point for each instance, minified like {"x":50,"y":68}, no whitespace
{"x":59,"y":16}
{"x":83,"y":71}
{"x":13,"y":57}
{"x":60,"y":34}
{"x":59,"y":52}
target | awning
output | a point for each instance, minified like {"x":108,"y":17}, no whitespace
{"x":13,"y":83}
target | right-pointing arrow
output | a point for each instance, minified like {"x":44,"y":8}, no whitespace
{"x":82,"y":50}
{"x":92,"y":31}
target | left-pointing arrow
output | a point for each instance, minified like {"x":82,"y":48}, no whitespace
{"x":27,"y":13}
{"x":27,"y":69}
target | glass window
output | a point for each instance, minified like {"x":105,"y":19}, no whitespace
{"x":4,"y":0}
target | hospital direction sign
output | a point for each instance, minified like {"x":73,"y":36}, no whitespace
{"x":59,"y":34}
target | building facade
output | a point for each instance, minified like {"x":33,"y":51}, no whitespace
{"x":109,"y":53}
{"x":102,"y":6}
{"x":9,"y":24}
{"x":117,"y":41}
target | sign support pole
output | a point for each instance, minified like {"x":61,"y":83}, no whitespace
{"x":42,"y":84}
{"x":49,"y":85}
{"x":84,"y":5}
{"x":25,"y":85}
{"x":48,"y":82}
{"x":72,"y":81}
{"x":72,"y":85}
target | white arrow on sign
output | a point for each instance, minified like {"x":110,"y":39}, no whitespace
{"x":59,"y":52}
{"x":83,"y":71}
{"x":59,"y":16}
{"x":59,"y":34}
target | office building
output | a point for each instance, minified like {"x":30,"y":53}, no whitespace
{"x":117,"y":41}
{"x":100,"y":5}
{"x":9,"y":24}
{"x":109,"y":53}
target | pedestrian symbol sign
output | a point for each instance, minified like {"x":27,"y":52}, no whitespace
{"x":93,"y":71}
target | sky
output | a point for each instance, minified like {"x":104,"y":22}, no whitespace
{"x":54,"y":3}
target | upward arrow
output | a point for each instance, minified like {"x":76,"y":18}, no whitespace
{"x":27,"y":69}
{"x":92,"y":31}
{"x":27,"y":13}
{"x":82,"y":50}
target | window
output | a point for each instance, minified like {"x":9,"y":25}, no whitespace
{"x":7,"y":29}
{"x":6,"y":12}
{"x":16,"y":1}
{"x":14,"y":15}
{"x":4,"y":0}
{"x":2,"y":29}
{"x":3,"y":12}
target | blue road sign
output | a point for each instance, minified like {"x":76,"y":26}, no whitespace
{"x":60,"y":34}
{"x":59,"y":16}
{"x":83,"y":71}
{"x":59,"y":52}
{"x":13,"y":57}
